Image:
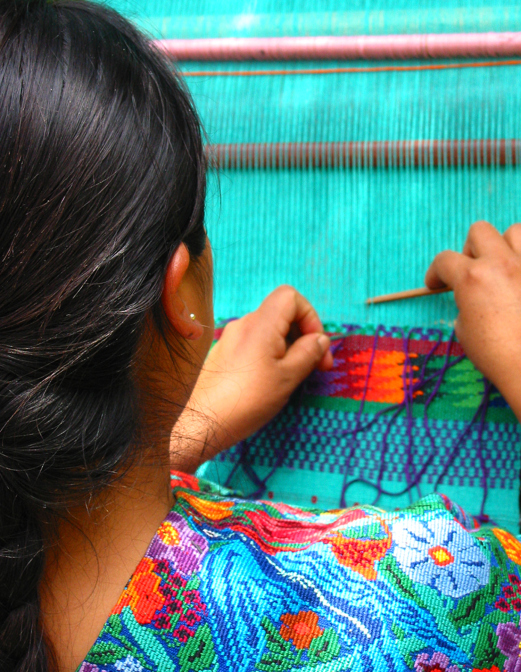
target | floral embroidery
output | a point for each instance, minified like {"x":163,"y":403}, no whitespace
{"x":361,"y":554}
{"x":128,"y":665}
{"x":511,"y":596}
{"x":511,"y":545}
{"x":438,"y":662}
{"x":183,"y":609}
{"x":178,"y":543}
{"x":301,"y":628}
{"x":142,"y":594}
{"x":439,"y":553}
{"x":232,"y":585}
{"x":299,"y":641}
{"x":509,"y":643}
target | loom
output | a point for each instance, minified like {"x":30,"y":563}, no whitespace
{"x":352,"y":145}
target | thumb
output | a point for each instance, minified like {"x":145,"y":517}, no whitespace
{"x":305,"y":354}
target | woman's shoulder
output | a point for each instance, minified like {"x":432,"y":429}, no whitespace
{"x":232,"y":584}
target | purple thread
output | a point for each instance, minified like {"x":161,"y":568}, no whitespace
{"x":413,"y":473}
{"x":359,"y":414}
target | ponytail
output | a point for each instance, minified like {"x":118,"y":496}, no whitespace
{"x":102,"y":176}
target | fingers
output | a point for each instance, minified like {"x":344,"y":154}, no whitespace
{"x":446,"y":269}
{"x":306,"y":354}
{"x":297,"y":320}
{"x":285,"y":306}
{"x":513,"y":238}
{"x":483,"y":239}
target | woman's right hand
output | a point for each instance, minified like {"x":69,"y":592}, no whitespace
{"x":251,"y":372}
{"x":486,"y":280}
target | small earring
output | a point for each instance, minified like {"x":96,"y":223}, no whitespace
{"x":192,"y":317}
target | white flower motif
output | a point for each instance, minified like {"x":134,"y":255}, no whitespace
{"x":441,"y":554}
{"x":129,"y":664}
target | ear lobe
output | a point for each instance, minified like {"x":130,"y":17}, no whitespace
{"x":172,"y":301}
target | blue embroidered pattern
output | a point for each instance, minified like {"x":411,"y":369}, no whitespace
{"x":228,"y":584}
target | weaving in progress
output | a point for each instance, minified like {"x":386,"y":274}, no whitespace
{"x":344,"y":179}
{"x":345,"y":165}
{"x":346,"y":147}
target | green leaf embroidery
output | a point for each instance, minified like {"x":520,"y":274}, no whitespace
{"x":496,"y":617}
{"x":192,"y":584}
{"x":198,"y":653}
{"x":399,"y":632}
{"x":408,"y":646}
{"x":105,"y":653}
{"x":398,"y":579}
{"x":486,"y":653}
{"x":280,"y":656}
{"x":115,"y":625}
{"x":325,"y":648}
{"x":471,"y":608}
{"x":274,"y":640}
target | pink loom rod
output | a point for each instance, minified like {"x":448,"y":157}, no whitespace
{"x":359,"y":47}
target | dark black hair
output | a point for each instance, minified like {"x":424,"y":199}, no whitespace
{"x":102,"y":176}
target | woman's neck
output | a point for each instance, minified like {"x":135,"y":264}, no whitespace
{"x":98,"y":548}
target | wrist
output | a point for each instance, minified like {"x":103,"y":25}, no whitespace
{"x":510,"y":389}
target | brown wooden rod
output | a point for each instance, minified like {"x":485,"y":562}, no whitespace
{"x":407,"y":294}
{"x":386,"y":154}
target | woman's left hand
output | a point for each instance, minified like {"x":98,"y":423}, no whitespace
{"x":251,"y":372}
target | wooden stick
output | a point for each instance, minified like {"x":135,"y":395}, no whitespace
{"x":407,"y":294}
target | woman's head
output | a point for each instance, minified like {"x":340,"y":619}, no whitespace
{"x":102,"y":177}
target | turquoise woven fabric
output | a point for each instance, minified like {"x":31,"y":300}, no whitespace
{"x":272,"y":18}
{"x":338,"y":235}
{"x":342,"y":235}
{"x":401,"y":415}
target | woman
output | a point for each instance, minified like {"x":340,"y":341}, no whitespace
{"x":105,"y":322}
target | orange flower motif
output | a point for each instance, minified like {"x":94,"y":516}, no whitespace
{"x":510,"y":544}
{"x":141,"y":593}
{"x":301,"y":628}
{"x":360,"y":555}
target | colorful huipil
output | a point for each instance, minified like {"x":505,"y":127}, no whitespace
{"x":233,"y":585}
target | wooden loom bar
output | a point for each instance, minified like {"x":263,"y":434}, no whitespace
{"x":387,"y":154}
{"x":356,"y":47}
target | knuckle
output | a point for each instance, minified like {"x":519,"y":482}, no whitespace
{"x":489,"y":271}
{"x":474,"y":274}
{"x":310,"y":351}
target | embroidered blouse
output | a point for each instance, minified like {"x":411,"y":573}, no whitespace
{"x":233,"y":585}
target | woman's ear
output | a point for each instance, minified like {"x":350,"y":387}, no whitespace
{"x":178,"y":313}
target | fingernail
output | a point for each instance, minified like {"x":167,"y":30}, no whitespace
{"x":323,"y":341}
